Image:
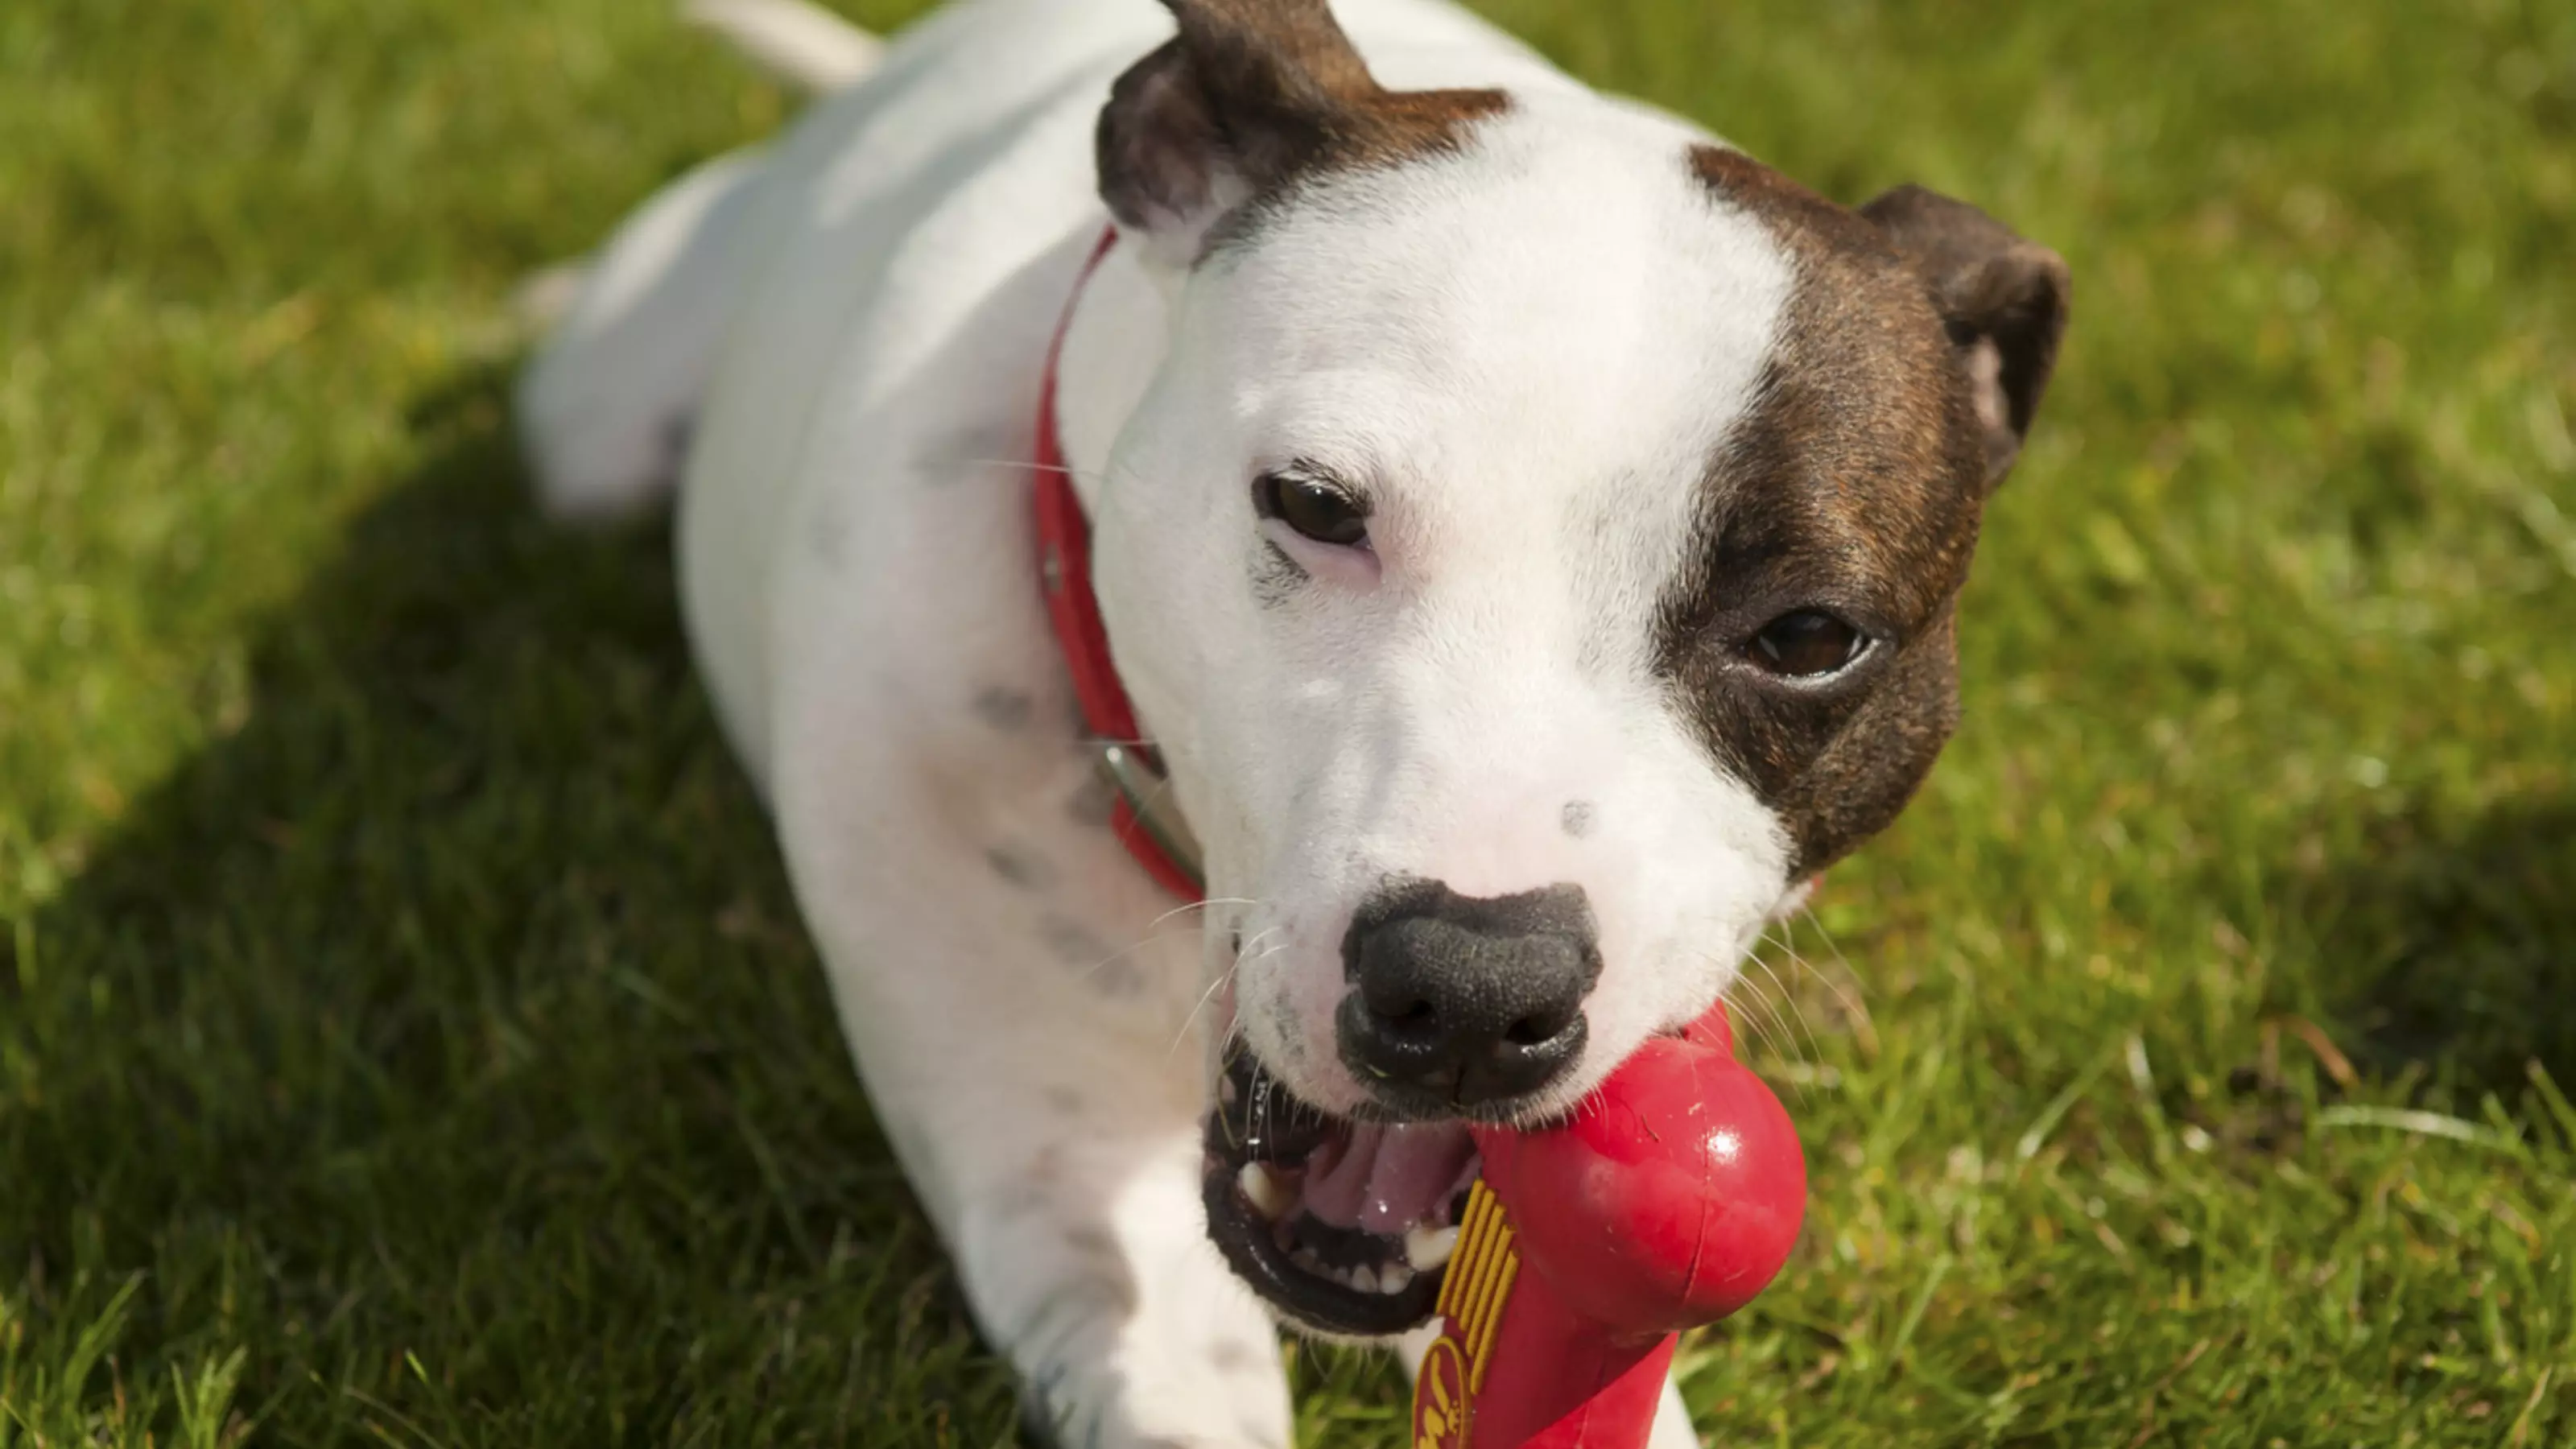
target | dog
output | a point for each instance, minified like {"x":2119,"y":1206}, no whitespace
{"x":1504,"y":543}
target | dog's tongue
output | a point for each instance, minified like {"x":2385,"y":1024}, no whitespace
{"x":1385,"y":1179}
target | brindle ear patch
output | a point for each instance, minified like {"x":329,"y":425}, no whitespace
{"x":1250,"y":97}
{"x":2004,"y":300}
{"x":1159,"y":144}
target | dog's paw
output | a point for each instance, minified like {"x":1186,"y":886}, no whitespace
{"x":1055,"y":1419}
{"x":1231,"y":1397}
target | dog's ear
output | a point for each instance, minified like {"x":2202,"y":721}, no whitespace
{"x":2002,"y":298}
{"x":1249,"y":97}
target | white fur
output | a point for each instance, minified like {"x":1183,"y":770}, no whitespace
{"x":1526,"y":351}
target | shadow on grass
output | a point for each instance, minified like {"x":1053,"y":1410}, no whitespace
{"x":442,"y":1037}
{"x":2453,"y":945}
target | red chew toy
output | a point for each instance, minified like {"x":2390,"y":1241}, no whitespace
{"x":1668,"y":1201}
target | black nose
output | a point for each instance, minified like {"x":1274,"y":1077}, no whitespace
{"x":1456,"y":1001}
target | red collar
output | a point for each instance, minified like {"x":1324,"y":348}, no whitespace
{"x":1143,"y":816}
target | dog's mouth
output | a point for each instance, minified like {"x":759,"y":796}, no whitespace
{"x":1343,"y":1226}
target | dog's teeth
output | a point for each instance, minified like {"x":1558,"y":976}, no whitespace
{"x":1268,"y":1194}
{"x":1226,"y":1090}
{"x":1427,"y":1248}
{"x":1365,"y":1279}
{"x":1306,"y":1261}
{"x":1394,"y":1279}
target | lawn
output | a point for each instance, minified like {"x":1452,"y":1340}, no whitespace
{"x":405,"y":1036}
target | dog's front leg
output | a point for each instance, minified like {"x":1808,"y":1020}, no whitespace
{"x":1024,"y":1032}
{"x":1089,"y":1262}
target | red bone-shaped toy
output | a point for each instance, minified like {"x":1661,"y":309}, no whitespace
{"x":1668,"y":1201}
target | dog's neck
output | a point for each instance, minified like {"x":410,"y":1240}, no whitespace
{"x":1114,"y":340}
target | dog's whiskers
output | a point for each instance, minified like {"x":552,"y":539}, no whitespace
{"x":1853,"y":1007}
{"x":1192,"y":1019}
{"x":1762,"y":1015}
{"x":1855,"y":1014}
{"x":1789,"y":1002}
{"x":1223,"y":977}
{"x":1031,"y":465}
{"x":1157,"y":923}
{"x":1759,"y":1018}
{"x":1154,"y":928}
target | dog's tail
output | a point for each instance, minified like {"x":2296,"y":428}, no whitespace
{"x":801,"y":44}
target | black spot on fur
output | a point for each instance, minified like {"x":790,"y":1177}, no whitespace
{"x":1021,"y":867}
{"x":1234,"y":1356}
{"x":1091,"y":1246}
{"x":1117,"y":977}
{"x":677,"y":436}
{"x":1004,"y":708}
{"x":1578,"y":818}
{"x":1022,"y":1198}
{"x":981,"y":450}
{"x":1094,"y":962}
{"x":827,"y":537}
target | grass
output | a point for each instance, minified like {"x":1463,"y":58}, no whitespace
{"x":405,"y":1036}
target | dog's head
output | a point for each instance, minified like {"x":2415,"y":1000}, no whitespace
{"x":1538,"y":550}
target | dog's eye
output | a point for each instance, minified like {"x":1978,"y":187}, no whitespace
{"x":1313,"y":507}
{"x":1806,"y":645}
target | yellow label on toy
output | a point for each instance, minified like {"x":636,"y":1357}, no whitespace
{"x":1472,"y":1294}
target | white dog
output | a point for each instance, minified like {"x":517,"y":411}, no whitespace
{"x":1527,"y":531}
